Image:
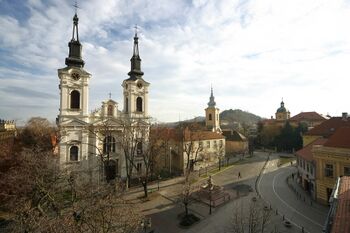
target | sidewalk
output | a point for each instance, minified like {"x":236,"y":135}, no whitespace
{"x":301,"y":194}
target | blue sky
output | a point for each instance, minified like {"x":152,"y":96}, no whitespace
{"x":252,"y":52}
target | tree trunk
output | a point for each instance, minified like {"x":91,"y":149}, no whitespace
{"x":186,"y":209}
{"x":145,"y":190}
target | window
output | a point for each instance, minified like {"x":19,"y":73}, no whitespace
{"x":328,"y":170}
{"x":139,"y":104}
{"x":139,"y":167}
{"x":346,"y":171}
{"x":210,"y":117}
{"x":110,"y":110}
{"x":221,"y":143}
{"x":73,"y":153}
{"x":126,"y":105}
{"x":109,"y":144}
{"x":208,"y":144}
{"x":75,"y":99}
{"x":139,"y":148}
{"x":215,"y":144}
{"x":307,"y":167}
{"x":200,"y":144}
{"x":311,"y":170}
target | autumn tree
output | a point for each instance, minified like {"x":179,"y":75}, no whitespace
{"x":42,"y":198}
{"x":37,"y":134}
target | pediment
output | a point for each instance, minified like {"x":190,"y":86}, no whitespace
{"x":74,"y":122}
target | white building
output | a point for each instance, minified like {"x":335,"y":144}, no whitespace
{"x":87,"y":138}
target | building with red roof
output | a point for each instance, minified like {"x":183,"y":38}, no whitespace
{"x":326,"y":128}
{"x":339,"y":213}
{"x":310,"y":119}
{"x":332,"y":161}
{"x":307,"y":167}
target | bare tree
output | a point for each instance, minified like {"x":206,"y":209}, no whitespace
{"x":190,"y":137}
{"x":40,"y":197}
{"x":253,"y":219}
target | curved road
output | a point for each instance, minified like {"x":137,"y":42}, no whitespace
{"x":274,"y":190}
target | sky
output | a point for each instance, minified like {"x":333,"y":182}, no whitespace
{"x":253,"y":53}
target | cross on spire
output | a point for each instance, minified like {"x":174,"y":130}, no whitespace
{"x":136,"y":28}
{"x":76,"y":7}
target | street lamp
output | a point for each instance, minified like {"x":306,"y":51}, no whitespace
{"x":159,"y":180}
{"x":170,"y":160}
{"x":146,"y":224}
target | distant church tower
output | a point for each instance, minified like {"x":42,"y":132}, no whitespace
{"x":74,"y":100}
{"x":282,"y":114}
{"x":135,"y":89}
{"x":212,"y":118}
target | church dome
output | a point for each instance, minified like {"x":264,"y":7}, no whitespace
{"x":282,"y":108}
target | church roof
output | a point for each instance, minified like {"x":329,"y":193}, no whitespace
{"x":282,"y":108}
{"x":308,"y":116}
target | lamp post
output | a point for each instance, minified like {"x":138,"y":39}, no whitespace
{"x":159,"y":180}
{"x":146,"y":224}
{"x":170,"y":160}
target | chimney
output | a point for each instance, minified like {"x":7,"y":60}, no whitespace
{"x":344,"y":116}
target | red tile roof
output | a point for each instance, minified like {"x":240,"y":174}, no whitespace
{"x":306,"y":152}
{"x":341,"y":223}
{"x":187,"y":135}
{"x":308,"y":116}
{"x":340,"y":138}
{"x":328,"y":127}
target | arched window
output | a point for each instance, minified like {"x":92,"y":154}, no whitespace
{"x":139,"y":148}
{"x":110,"y":110}
{"x":139,"y":104}
{"x":109,"y":144}
{"x":126,"y":105}
{"x":73,"y":153}
{"x":75,"y":99}
{"x":210,"y":117}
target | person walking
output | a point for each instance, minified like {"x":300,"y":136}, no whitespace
{"x":239,"y":175}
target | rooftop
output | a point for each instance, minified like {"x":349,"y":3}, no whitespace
{"x":328,"y":127}
{"x":309,"y":116}
{"x":340,"y":138}
{"x":341,"y":218}
{"x":306,"y":152}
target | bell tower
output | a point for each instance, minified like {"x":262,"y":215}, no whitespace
{"x":74,"y":98}
{"x":135,"y":88}
{"x":212,"y":117}
{"x":74,"y":80}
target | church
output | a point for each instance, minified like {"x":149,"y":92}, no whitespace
{"x":112,"y":133}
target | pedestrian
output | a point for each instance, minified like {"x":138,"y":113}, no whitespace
{"x":293,"y":176}
{"x":239,"y":175}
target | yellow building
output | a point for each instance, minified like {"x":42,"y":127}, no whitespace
{"x":332,"y":161}
{"x":282,"y":114}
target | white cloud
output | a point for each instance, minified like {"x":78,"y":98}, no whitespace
{"x":253,"y":52}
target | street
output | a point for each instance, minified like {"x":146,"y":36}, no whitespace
{"x":299,"y":211}
{"x":165,"y":205}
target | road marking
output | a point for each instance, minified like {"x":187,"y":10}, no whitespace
{"x":274,"y":190}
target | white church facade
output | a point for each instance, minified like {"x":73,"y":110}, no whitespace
{"x":89,"y":139}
